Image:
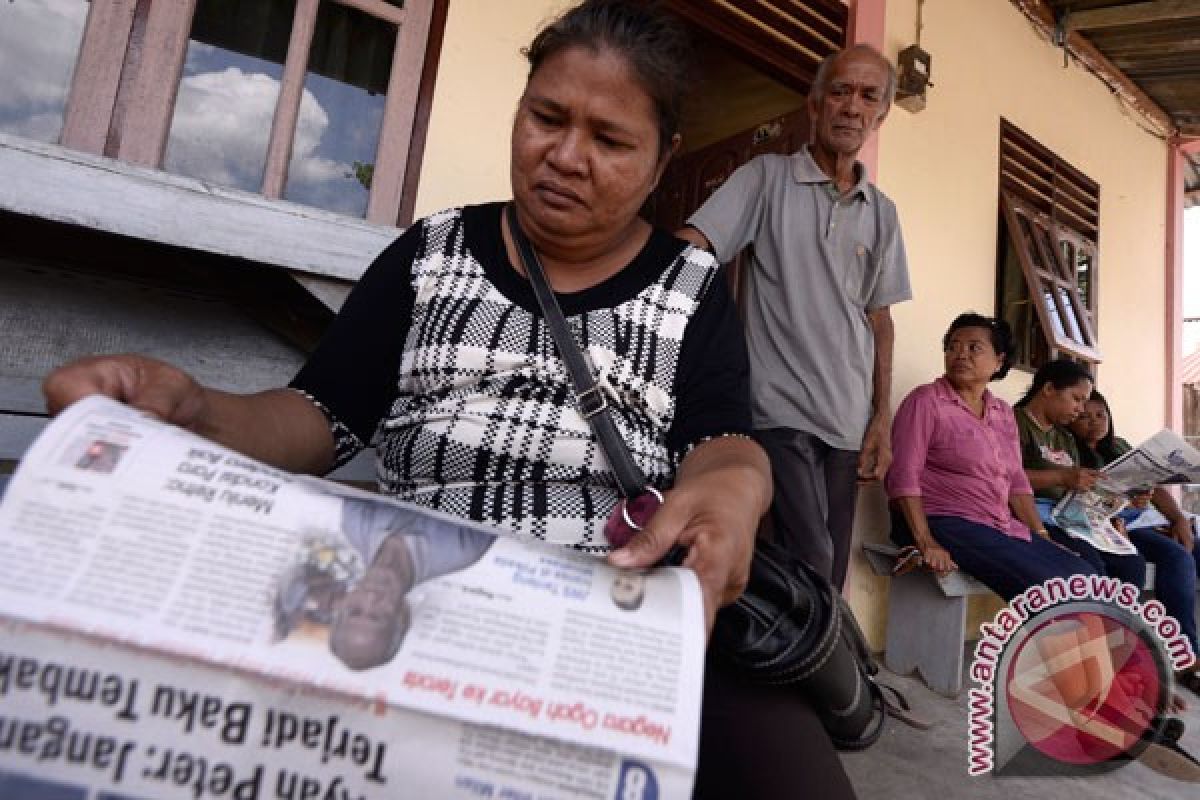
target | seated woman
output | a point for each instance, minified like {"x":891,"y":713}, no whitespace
{"x":956,"y":476}
{"x":441,"y":352}
{"x":1168,"y":549}
{"x":1053,"y":401}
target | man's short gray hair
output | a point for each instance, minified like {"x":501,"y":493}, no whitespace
{"x":825,"y":69}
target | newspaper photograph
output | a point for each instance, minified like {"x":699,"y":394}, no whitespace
{"x":413,"y":654}
{"x":1163,"y":459}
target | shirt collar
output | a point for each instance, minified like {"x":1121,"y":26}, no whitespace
{"x":946,"y":392}
{"x":805,"y":170}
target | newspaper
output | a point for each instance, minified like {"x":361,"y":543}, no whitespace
{"x":177,"y":620}
{"x":1164,"y":458}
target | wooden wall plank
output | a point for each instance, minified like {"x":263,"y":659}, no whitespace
{"x":52,"y":316}
{"x":56,"y":183}
{"x":17,"y":432}
{"x":1093,"y":19}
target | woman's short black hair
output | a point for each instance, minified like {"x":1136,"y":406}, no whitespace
{"x":1001,"y":336}
{"x":1061,"y":373}
{"x":656,"y":46}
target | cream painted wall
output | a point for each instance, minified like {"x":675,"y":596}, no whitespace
{"x":480,"y":77}
{"x":940,"y":167}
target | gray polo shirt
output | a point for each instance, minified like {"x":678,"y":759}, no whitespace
{"x":819,"y":263}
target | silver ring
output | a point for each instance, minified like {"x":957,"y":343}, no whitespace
{"x":625,"y":508}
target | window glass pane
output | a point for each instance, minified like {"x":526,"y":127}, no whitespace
{"x":1083,"y":276}
{"x":1052,"y":309}
{"x":227,"y":96}
{"x":1056,"y":266}
{"x":1073,"y":329}
{"x":39,"y":42}
{"x":333,"y":157}
{"x":1014,"y":306}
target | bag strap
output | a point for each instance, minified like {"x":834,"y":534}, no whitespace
{"x":589,"y":397}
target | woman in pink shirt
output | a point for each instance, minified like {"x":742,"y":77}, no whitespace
{"x":957,"y":478}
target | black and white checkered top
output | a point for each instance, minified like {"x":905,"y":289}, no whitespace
{"x":442,"y":353}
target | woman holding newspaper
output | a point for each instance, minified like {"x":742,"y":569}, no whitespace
{"x":1170,"y":548}
{"x":1053,"y":401}
{"x":440,"y":350}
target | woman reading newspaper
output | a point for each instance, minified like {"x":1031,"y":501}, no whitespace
{"x":1171,"y":549}
{"x":440,"y":357}
{"x":1051,"y":459}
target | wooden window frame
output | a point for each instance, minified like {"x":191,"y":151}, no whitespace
{"x":1049,"y":207}
{"x":122,"y":97}
{"x":1047,"y":273}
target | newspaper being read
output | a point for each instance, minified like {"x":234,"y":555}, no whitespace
{"x":177,"y":620}
{"x":1164,"y":458}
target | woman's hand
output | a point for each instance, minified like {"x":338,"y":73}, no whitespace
{"x":723,"y":489}
{"x":1079,"y":478}
{"x":144,"y":383}
{"x":936,"y":557}
{"x":1119,"y":525}
{"x":278,"y":426}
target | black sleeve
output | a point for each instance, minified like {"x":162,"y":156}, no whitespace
{"x":352,"y":374}
{"x":712,"y":384}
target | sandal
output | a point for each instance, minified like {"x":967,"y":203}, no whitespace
{"x":908,"y":559}
{"x":1164,"y":755}
{"x":896,"y":705}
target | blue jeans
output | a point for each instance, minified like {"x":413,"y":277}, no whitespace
{"x":1174,"y":576}
{"x":1005,"y":565}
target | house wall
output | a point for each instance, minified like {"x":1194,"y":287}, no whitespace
{"x":940,"y":167}
{"x":481,"y":74}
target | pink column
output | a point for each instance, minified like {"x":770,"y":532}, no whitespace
{"x":1177,"y":149}
{"x":867,"y":25}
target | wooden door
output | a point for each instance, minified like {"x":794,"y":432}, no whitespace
{"x":692,"y":177}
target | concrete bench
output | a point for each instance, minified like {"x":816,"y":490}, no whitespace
{"x":927,"y":619}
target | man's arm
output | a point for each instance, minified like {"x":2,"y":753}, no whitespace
{"x":876,"y":453}
{"x":693,"y":235}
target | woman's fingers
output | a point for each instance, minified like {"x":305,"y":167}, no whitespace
{"x":144,"y":383}
{"x":717,"y":550}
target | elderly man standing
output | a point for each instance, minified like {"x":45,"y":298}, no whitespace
{"x":828,"y":261}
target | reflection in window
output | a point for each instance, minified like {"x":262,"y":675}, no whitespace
{"x":1083,"y":276}
{"x":1052,"y":310}
{"x":1075,"y":333}
{"x":1015,"y":306}
{"x":39,"y":42}
{"x":229,"y":89}
{"x":348,"y":71}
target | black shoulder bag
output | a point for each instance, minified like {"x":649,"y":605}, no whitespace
{"x":790,"y":626}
